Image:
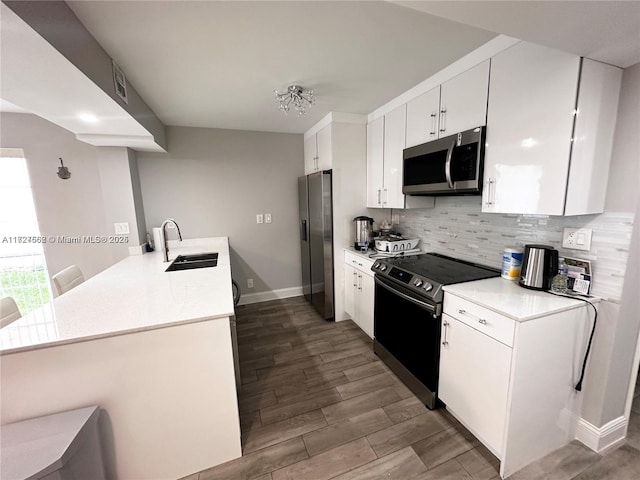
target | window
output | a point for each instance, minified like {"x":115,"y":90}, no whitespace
{"x":23,"y":269}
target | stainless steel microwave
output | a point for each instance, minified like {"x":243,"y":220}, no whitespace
{"x":448,"y":166}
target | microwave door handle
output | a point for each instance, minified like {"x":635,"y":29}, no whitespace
{"x":447,"y":165}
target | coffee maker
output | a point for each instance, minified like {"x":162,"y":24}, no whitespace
{"x":363,"y":236}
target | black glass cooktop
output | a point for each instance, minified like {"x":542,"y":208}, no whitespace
{"x":442,"y":269}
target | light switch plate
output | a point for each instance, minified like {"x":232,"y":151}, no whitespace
{"x":577,"y":238}
{"x":259,"y":218}
{"x":267,"y":218}
{"x":121,"y":228}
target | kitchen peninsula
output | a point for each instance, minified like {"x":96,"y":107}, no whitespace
{"x":152,"y":348}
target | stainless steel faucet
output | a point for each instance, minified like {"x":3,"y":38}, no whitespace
{"x":165,"y":248}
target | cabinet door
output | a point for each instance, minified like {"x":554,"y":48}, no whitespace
{"x":350,"y":286}
{"x":310,"y":154}
{"x":365,"y":304}
{"x":593,"y":138}
{"x":323,"y":141}
{"x":532,"y":97}
{"x":422,"y":117}
{"x":394,"y":138}
{"x":474,"y":380}
{"x":375,"y":162}
{"x":463,"y":101}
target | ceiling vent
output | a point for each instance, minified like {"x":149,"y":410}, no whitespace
{"x":120,"y":82}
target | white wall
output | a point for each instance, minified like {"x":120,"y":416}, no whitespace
{"x":64,"y":207}
{"x":213,"y":183}
{"x":104,"y":188}
{"x":623,"y":195}
{"x":120,"y":189}
{"x":624,"y":176}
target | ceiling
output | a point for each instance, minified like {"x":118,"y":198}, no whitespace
{"x":216,"y":63}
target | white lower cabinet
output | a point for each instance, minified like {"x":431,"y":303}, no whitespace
{"x":510,"y":382}
{"x":359,"y":291}
{"x":474,"y":379}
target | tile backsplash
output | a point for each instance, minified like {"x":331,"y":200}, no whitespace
{"x":457,"y":227}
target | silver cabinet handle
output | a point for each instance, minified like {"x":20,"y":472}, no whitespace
{"x":379,"y":202}
{"x":445,"y":326}
{"x":464,"y":312}
{"x":386,"y":197}
{"x":359,"y":282}
{"x":491,"y":192}
{"x":433,"y":124}
{"x":355,"y":279}
{"x":443,"y":114}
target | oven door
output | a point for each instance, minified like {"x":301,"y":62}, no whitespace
{"x":407,"y":337}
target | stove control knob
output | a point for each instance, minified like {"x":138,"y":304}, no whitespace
{"x":383,"y":267}
{"x":417,"y":282}
{"x":427,"y":287}
{"x":375,"y":265}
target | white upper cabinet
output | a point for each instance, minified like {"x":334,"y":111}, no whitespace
{"x":323,"y":141}
{"x":394,"y":144}
{"x":310,"y":154}
{"x":529,"y":164}
{"x":593,"y":138}
{"x":375,"y":162}
{"x":422,"y":118}
{"x":385,"y":145}
{"x":463,"y":101}
{"x":455,"y":106}
{"x":317,"y":151}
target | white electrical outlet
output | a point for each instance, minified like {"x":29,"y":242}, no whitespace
{"x":259,"y":218}
{"x":249,"y":282}
{"x":577,"y":238}
{"x":267,"y":218}
{"x":121,"y":228}
{"x":395,"y":219}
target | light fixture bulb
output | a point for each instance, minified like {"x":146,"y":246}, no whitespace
{"x":88,"y":117}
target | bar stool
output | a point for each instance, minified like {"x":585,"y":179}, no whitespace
{"x":9,"y":311}
{"x":67,"y":279}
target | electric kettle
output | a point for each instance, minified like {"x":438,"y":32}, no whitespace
{"x":539,"y":266}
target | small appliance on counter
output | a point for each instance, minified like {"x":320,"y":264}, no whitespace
{"x":363,"y":237}
{"x":396,"y":243}
{"x":539,"y":266}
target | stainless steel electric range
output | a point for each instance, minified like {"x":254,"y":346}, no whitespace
{"x":408,"y":315}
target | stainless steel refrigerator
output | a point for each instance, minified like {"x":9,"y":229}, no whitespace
{"x":316,"y":241}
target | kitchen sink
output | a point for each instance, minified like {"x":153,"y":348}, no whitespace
{"x":189,"y":262}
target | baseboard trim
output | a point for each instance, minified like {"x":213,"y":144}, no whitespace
{"x":247,"y":298}
{"x":600,"y":439}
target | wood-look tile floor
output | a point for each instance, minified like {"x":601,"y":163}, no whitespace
{"x":317,"y":404}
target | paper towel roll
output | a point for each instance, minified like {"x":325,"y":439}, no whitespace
{"x":157,"y":239}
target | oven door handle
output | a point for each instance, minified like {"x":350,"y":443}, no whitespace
{"x":426,"y":306}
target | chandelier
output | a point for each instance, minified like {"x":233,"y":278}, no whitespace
{"x":297,"y":97}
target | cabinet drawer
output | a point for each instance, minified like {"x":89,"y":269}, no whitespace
{"x":481,"y":319}
{"x":358,"y":262}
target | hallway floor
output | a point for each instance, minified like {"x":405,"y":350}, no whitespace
{"x":317,"y":404}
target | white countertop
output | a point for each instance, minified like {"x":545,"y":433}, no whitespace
{"x":135,"y":294}
{"x":510,"y":299}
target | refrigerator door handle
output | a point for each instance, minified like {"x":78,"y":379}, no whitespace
{"x":303,"y":230}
